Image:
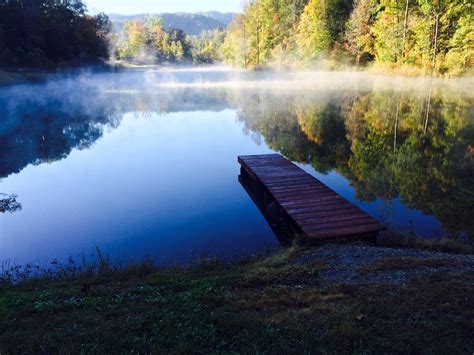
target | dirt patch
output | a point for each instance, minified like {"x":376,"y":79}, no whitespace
{"x":369,"y":264}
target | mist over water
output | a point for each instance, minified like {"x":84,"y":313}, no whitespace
{"x":143,"y":162}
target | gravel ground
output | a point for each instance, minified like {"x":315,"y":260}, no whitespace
{"x":358,"y":263}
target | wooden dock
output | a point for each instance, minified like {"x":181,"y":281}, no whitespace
{"x":312,"y":208}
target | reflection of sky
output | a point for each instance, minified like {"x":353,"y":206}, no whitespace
{"x":164,"y":186}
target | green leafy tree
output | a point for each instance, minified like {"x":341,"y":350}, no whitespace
{"x":263,"y":34}
{"x":136,"y":39}
{"x":207,"y":47}
{"x":147,"y":41}
{"x":48,"y":33}
{"x":388,"y":32}
{"x":235,"y":49}
{"x":321,"y":26}
{"x":359,"y":36}
{"x":313,"y":36}
{"x":460,"y":55}
{"x":435,"y":36}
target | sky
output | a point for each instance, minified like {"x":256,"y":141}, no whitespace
{"x":129,"y":7}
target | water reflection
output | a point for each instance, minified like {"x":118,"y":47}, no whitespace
{"x":279,"y":222}
{"x":387,"y":144}
{"x":8,"y":203}
{"x":40,"y":128}
{"x":413,"y":145}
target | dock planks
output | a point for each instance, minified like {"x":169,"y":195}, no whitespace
{"x":316,"y":210}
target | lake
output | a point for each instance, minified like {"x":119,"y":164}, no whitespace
{"x":144,"y":163}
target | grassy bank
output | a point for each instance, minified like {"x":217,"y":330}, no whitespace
{"x":285,"y":302}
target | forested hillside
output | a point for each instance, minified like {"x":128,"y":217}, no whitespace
{"x":432,"y":36}
{"x":192,"y":23}
{"x":428,"y":37}
{"x":50,"y":33}
{"x":147,"y":41}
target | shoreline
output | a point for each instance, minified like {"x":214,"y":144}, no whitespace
{"x":97,"y":261}
{"x":10,"y":77}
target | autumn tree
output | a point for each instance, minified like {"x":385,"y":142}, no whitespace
{"x":460,"y":55}
{"x":147,"y":41}
{"x":206,"y":48}
{"x":321,"y":26}
{"x":359,"y":36}
{"x":264,"y":33}
{"x":434,"y":36}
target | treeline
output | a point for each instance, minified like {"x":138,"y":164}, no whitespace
{"x":54,"y":33}
{"x":50,"y":33}
{"x":433,"y":35}
{"x":146,"y":41}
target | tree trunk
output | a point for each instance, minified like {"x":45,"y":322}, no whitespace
{"x":435,"y":39}
{"x":395,"y":31}
{"x":245,"y":46}
{"x":258,"y":45}
{"x":405,"y":29}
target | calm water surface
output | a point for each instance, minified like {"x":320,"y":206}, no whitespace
{"x":144,"y":163}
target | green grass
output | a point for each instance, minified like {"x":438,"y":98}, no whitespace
{"x":264,"y":305}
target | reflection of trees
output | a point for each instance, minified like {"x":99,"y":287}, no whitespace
{"x":388,"y":144}
{"x":8,"y":203}
{"x":428,"y":167}
{"x":322,"y":121}
{"x":37,"y":128}
{"x":48,"y":135}
{"x":306,"y":130}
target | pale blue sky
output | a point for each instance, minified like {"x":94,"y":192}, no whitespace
{"x":159,"y":6}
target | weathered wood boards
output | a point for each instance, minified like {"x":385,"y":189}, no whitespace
{"x":315,"y":209}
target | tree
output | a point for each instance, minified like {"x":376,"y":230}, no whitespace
{"x":147,"y":41}
{"x":47,"y":33}
{"x":321,"y":26}
{"x":235,"y":47}
{"x":207,"y":47}
{"x":405,"y":27}
{"x":136,"y":38}
{"x":432,"y":35}
{"x":263,"y":34}
{"x":359,"y":36}
{"x":313,"y":35}
{"x":460,"y":55}
{"x":388,"y":31}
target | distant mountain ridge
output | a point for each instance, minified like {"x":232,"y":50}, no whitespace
{"x":191,"y":23}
